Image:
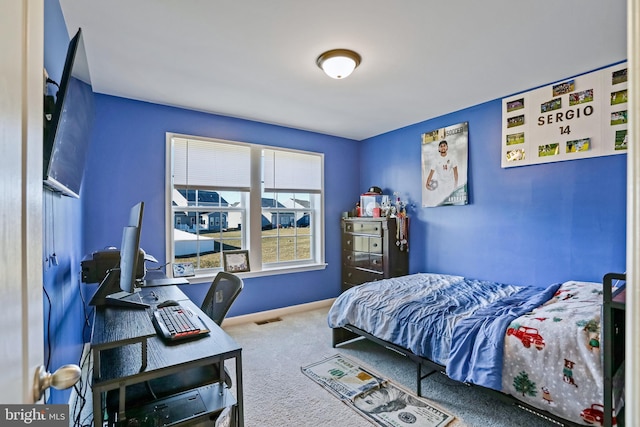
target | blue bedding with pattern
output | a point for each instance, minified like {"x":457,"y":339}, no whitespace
{"x":439,"y":316}
{"x":542,"y":346}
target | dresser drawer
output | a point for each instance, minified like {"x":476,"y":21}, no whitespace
{"x":375,"y":245}
{"x":363,"y":260}
{"x":347,"y":242}
{"x":356,"y":259}
{"x":375,"y":262}
{"x":364,"y":227}
{"x":362,"y":243}
{"x":354,"y":276}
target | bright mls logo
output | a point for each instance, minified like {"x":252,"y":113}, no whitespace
{"x":34,"y":415}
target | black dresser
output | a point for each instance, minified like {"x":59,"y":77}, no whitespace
{"x":370,"y":252}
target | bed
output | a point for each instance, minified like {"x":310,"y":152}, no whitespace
{"x":538,"y":347}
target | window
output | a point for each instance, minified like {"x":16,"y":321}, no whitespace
{"x":236,"y":195}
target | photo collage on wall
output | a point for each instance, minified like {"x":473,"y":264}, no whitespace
{"x":444,"y":166}
{"x":585,"y":116}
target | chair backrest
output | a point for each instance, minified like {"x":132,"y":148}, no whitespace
{"x":223,"y":291}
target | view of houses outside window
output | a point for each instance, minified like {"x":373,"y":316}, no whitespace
{"x":211,"y":210}
{"x":206,"y":225}
{"x":286,"y":231}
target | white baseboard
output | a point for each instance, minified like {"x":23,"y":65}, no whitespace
{"x":270,"y":314}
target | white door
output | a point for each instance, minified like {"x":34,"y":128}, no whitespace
{"x":21,"y":90}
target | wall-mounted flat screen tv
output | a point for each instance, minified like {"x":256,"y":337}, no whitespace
{"x":68,"y":134}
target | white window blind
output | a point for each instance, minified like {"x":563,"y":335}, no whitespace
{"x":203,"y":164}
{"x":289,"y":170}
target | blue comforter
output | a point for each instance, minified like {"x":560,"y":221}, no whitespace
{"x":457,"y":322}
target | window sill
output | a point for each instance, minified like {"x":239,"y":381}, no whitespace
{"x":260,"y":273}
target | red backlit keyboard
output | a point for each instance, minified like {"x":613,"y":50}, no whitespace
{"x":177,"y":322}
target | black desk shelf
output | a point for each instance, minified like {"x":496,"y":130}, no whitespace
{"x":182,"y":409}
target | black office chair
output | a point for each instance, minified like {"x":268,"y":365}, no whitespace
{"x":223,"y":291}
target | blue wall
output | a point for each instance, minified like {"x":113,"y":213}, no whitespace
{"x":530,"y":225}
{"x":127,"y":164}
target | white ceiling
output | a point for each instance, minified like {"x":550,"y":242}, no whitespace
{"x":255,"y":59}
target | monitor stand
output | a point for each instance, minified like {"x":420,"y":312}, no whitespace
{"x":109,"y":293}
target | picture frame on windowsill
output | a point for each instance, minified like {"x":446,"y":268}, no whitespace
{"x":236,"y":261}
{"x":183,"y":269}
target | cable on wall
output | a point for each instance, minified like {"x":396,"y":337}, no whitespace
{"x":85,"y":362}
{"x":81,"y":388}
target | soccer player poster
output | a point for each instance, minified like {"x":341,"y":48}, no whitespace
{"x":444,"y":166}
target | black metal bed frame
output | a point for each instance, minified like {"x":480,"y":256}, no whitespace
{"x":349,"y":333}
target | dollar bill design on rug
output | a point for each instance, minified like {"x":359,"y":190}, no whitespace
{"x":377,"y":399}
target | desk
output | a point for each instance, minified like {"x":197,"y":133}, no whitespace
{"x":126,"y":350}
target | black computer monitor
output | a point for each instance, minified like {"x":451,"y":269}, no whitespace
{"x":129,"y":258}
{"x":130,"y":248}
{"x":135,"y":216}
{"x":118,"y":286}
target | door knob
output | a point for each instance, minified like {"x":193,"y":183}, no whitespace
{"x":64,"y":377}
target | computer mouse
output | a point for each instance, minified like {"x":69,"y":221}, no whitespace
{"x":168,"y":303}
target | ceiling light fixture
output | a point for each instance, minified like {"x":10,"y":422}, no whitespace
{"x":338,"y":63}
